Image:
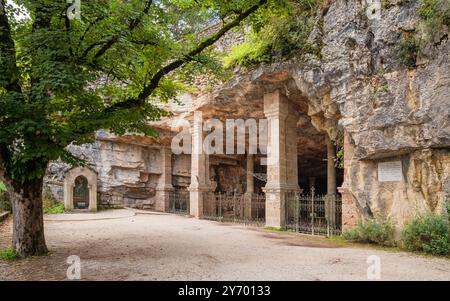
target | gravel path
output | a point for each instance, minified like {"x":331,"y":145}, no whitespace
{"x":170,"y":247}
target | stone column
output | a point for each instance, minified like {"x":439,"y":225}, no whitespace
{"x":164,"y":187}
{"x":68,"y":193}
{"x":250,"y":186}
{"x":291,"y":151}
{"x":330,"y":200}
{"x":281,"y":157}
{"x":200,"y":183}
{"x":350,"y":213}
{"x":331,"y":168}
{"x":93,"y":197}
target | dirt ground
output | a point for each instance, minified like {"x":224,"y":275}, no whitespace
{"x":170,"y":247}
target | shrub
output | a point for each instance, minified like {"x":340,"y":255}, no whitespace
{"x":51,"y":204}
{"x":283,"y":34}
{"x":55,"y":209}
{"x":435,"y":14}
{"x":248,"y":54}
{"x":375,"y":230}
{"x":427,"y":8}
{"x":8,"y":254}
{"x":408,"y":50}
{"x":429,"y":234}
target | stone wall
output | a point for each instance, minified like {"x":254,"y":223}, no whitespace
{"x":358,"y":85}
{"x":127,"y":173}
{"x":390,"y":112}
{"x":227,"y":178}
{"x":181,"y":171}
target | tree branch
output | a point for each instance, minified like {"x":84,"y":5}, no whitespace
{"x":88,"y":28}
{"x":154,"y":82}
{"x":113,"y":40}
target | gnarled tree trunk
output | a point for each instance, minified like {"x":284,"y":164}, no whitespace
{"x":28,"y":231}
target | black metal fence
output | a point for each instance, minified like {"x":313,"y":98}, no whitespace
{"x":179,"y":202}
{"x":310,"y":214}
{"x":314,"y":214}
{"x":236,"y":208}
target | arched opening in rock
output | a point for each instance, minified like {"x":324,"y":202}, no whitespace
{"x":312,"y":158}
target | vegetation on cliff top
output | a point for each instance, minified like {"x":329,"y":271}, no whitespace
{"x":435,"y":16}
{"x":278,"y":33}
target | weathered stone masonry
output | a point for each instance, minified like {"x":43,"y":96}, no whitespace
{"x":357,"y":87}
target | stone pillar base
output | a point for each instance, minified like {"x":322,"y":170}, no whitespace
{"x":276,"y":206}
{"x":350,"y":213}
{"x":248,"y":205}
{"x":330,"y":209}
{"x":196,"y":201}
{"x":162,"y":202}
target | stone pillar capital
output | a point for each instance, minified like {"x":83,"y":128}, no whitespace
{"x":275,"y":105}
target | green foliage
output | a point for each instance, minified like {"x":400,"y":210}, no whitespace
{"x":8,"y":254}
{"x":435,"y":14}
{"x":340,"y":158}
{"x":2,"y":187}
{"x":62,"y":80}
{"x":55,"y":209}
{"x":427,"y":9}
{"x":377,"y":230}
{"x":279,"y":32}
{"x":274,"y":229}
{"x":51,"y":204}
{"x":248,"y":54}
{"x":337,"y":136}
{"x":408,"y":50}
{"x":429,"y":234}
{"x":5,"y":204}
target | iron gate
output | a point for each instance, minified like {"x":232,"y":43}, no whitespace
{"x":235,"y":208}
{"x":179,"y":202}
{"x":81,"y":193}
{"x":314,"y":214}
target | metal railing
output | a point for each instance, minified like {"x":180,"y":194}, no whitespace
{"x":314,"y":214}
{"x":247,"y":209}
{"x":179,"y":202}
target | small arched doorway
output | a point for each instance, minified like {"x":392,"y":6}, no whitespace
{"x":80,"y":189}
{"x":81,"y":193}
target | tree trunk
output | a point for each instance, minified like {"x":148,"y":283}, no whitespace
{"x":28,"y":220}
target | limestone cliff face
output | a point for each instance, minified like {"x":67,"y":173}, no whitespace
{"x":390,"y":112}
{"x":358,"y":84}
{"x":127,"y":173}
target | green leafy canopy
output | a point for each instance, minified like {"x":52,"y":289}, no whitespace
{"x":277,"y":33}
{"x":61,"y":80}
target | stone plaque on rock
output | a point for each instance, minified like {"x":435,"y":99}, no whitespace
{"x":390,"y":171}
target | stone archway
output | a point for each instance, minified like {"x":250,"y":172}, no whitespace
{"x":80,"y":189}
